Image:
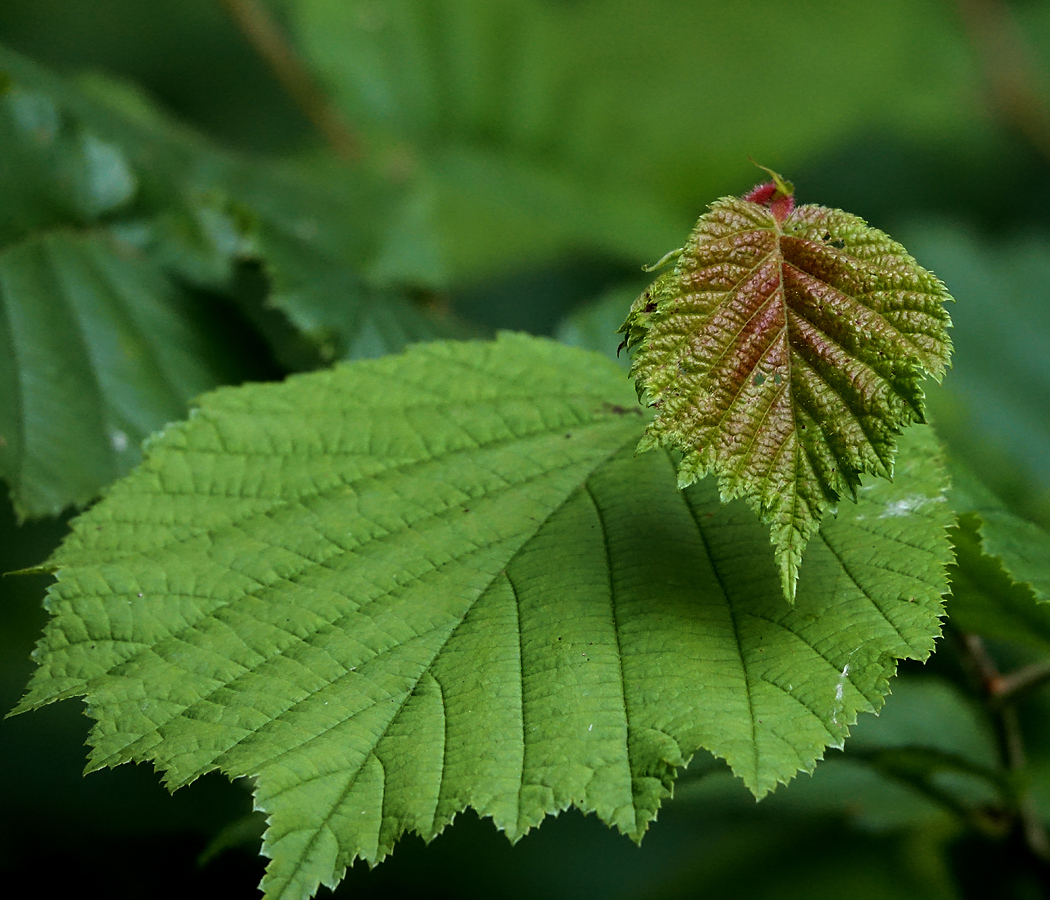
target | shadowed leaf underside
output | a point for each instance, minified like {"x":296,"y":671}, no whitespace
{"x":408,"y":586}
{"x":783,"y":352}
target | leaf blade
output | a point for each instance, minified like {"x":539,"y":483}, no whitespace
{"x":783,"y":353}
{"x":402,"y":624}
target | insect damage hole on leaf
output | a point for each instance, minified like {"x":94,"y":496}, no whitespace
{"x":783,"y":352}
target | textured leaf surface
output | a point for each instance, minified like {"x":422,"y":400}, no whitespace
{"x":411,"y":585}
{"x":97,"y":349}
{"x":783,"y":352}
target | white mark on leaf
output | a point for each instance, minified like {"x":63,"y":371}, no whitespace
{"x":907,"y":505}
{"x":840,"y":688}
{"x":118,"y":440}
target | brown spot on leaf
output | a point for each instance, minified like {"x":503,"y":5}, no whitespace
{"x":618,"y":410}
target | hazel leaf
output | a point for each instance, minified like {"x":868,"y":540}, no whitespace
{"x":783,"y":352}
{"x":399,"y":588}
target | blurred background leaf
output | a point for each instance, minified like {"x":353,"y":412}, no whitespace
{"x":532,"y":126}
{"x":994,"y":408}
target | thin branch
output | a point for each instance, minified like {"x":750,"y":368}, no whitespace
{"x":263,"y":33}
{"x":1034,"y":833}
{"x":999,"y":699}
{"x":1012,"y":77}
{"x":979,"y":660}
{"x":1014,"y":685}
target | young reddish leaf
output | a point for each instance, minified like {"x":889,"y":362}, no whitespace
{"x":783,"y":352}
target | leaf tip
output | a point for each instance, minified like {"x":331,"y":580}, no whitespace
{"x":45,"y":568}
{"x":788,"y":577}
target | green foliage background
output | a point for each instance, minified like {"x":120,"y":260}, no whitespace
{"x":524,"y":159}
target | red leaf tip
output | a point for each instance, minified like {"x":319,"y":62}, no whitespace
{"x":778,"y":195}
{"x":761,"y":193}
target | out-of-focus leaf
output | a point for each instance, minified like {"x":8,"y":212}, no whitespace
{"x":994,"y":409}
{"x":928,"y":731}
{"x":106,"y":157}
{"x":99,"y":350}
{"x":471,"y":212}
{"x":53,"y":171}
{"x":929,"y":712}
{"x":595,"y":325}
{"x":329,"y":301}
{"x":1022,"y":547}
{"x":176,"y":211}
{"x":986,"y":600}
{"x":532,"y":126}
{"x":198,"y":210}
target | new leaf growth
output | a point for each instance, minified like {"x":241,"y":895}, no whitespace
{"x":783,"y":352}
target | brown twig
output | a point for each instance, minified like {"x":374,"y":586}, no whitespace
{"x":264,"y":34}
{"x":1000,"y":693}
{"x":1012,"y":77}
{"x":1016,"y":684}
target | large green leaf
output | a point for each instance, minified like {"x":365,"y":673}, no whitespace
{"x":97,"y":350}
{"x":784,"y":352}
{"x":411,"y":585}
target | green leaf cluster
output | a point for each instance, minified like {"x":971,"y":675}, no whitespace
{"x":120,"y":238}
{"x":423,"y":575}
